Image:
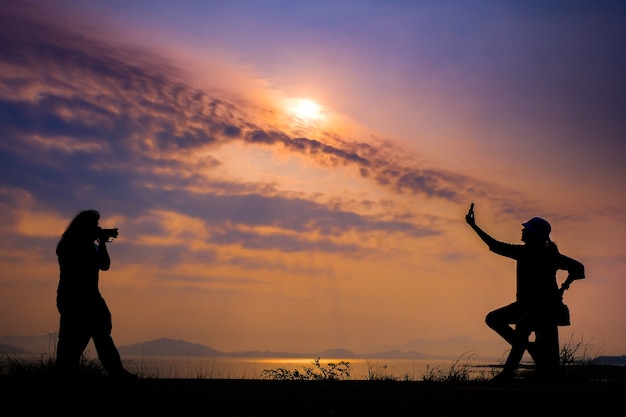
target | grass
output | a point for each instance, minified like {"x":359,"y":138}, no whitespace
{"x":44,"y":366}
{"x":576,"y":364}
{"x":576,"y":357}
{"x":45,"y":363}
{"x":461,"y":370}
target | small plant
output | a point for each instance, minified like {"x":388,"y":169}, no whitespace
{"x":579,"y":353}
{"x":382,"y":373}
{"x":578,"y":362}
{"x":334,"y":371}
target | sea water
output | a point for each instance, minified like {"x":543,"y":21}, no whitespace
{"x":265,"y":368}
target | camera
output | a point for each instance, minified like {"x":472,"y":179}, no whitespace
{"x":106,"y":234}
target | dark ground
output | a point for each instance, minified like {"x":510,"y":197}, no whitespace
{"x":101,"y":396}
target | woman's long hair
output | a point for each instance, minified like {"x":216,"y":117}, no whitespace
{"x":81,"y":227}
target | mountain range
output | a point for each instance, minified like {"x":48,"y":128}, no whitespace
{"x":452,"y":348}
{"x":171,"y":347}
{"x":416,"y":349}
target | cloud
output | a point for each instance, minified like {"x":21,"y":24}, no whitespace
{"x":123,"y":129}
{"x":73,"y":95}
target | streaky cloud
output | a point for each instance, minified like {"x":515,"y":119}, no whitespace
{"x":59,"y":83}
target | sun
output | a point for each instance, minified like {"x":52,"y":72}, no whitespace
{"x":306,"y":109}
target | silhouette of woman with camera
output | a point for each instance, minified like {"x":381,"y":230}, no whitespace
{"x":538,"y":296}
{"x":84,"y":313}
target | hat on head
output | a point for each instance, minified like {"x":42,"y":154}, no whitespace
{"x":539,"y":227}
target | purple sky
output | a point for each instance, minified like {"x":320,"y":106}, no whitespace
{"x":244,"y":225}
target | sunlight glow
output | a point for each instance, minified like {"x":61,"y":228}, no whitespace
{"x":306,"y":109}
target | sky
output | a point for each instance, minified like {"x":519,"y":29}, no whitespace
{"x":294,"y":175}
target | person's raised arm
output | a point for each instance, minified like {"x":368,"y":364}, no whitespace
{"x":470,"y":218}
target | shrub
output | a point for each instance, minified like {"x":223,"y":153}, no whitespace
{"x":334,"y":371}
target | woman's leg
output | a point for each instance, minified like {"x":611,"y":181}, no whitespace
{"x":73,"y":339}
{"x":523,"y":328}
{"x":107,"y":351}
{"x":548,"y":358}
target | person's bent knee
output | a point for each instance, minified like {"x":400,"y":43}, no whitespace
{"x":491,"y":320}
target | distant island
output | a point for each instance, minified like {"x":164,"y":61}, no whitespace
{"x":171,"y":347}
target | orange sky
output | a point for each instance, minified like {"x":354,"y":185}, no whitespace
{"x":245,"y":225}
